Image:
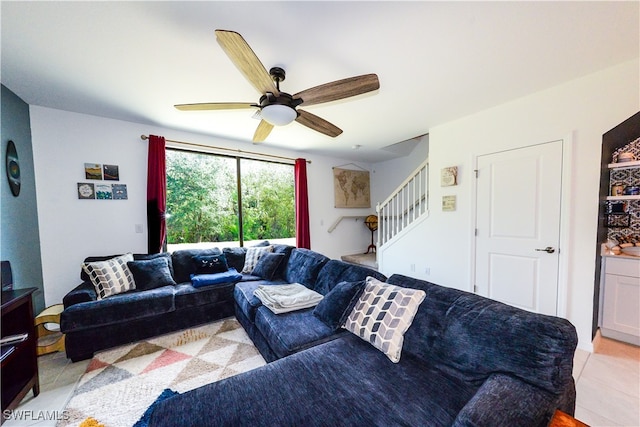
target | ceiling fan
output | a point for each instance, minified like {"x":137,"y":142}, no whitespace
{"x":279,"y":108}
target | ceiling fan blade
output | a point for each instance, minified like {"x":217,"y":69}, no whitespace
{"x":339,"y":89}
{"x":215,"y":106}
{"x":240,"y":53}
{"x":263,"y":131}
{"x":318,"y":124}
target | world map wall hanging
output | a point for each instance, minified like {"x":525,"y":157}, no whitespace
{"x":351,"y":188}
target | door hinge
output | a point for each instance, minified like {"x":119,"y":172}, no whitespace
{"x":475,"y":289}
{"x":476,"y":232}
{"x":476,"y":172}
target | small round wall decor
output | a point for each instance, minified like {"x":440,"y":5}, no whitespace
{"x":13,"y":168}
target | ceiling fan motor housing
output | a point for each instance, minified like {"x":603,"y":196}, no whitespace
{"x":283,"y":99}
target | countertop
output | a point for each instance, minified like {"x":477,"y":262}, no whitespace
{"x":607,"y":253}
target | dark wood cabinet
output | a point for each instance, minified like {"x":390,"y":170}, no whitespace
{"x":19,"y":361}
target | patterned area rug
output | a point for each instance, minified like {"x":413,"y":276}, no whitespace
{"x":121,"y":383}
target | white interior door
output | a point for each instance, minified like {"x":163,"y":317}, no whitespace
{"x":518,"y":226}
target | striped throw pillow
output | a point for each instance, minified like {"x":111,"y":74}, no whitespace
{"x":253,"y":255}
{"x":112,"y":276}
{"x":383,"y":314}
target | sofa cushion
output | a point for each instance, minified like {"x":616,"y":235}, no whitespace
{"x":112,"y":276}
{"x":383,"y":314}
{"x":344,"y":382}
{"x":475,"y":337}
{"x":534,"y":347}
{"x":288,"y":333}
{"x":144,"y":257}
{"x":267,"y":265}
{"x":209,"y":264}
{"x":304,"y":266}
{"x":338,"y":303}
{"x":235,"y":257}
{"x":286,"y":251}
{"x":247,"y":302}
{"x":229,"y":276}
{"x":84,"y":292}
{"x":187,"y":296}
{"x":183,"y":266}
{"x":336,"y":271}
{"x":252,"y":256}
{"x":151,"y":273}
{"x":429,"y":323}
{"x":118,"y":309}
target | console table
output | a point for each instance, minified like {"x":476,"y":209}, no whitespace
{"x":19,"y":362}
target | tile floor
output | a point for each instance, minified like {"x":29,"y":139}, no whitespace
{"x":607,"y":383}
{"x":58,"y":377}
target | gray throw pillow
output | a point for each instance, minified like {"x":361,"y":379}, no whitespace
{"x":151,"y":273}
{"x":335,"y":307}
{"x":267,"y":265}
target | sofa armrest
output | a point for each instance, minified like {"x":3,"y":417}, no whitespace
{"x":504,"y":400}
{"x":84,"y":292}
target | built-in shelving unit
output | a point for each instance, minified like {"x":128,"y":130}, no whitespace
{"x":624,"y":165}
{"x":617,"y":216}
{"x":623,"y":197}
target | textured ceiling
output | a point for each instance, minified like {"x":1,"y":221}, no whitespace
{"x":436,"y":61}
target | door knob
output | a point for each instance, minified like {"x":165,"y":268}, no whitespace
{"x":548,"y":250}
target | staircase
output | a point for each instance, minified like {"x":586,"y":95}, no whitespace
{"x":404,"y":206}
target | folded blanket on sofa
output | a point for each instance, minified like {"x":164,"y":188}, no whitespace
{"x":199,"y":280}
{"x":286,"y":298}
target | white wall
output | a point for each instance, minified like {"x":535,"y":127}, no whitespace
{"x":72,"y":229}
{"x":388,"y":175}
{"x":585,"y":108}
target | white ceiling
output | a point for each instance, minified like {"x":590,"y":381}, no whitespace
{"x":436,"y":61}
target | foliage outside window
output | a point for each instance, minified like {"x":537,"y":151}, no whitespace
{"x":204,"y":209}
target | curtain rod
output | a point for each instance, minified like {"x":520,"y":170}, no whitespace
{"x":145,"y":137}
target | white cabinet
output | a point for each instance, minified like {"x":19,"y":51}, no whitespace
{"x":621,"y":301}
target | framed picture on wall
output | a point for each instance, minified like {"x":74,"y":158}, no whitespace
{"x":104,"y":192}
{"x":449,"y":176}
{"x":111,"y":173}
{"x":93,"y":171}
{"x":86,"y":191}
{"x":119,"y":191}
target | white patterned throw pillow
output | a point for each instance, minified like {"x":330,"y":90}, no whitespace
{"x":253,"y":255}
{"x":112,"y":276}
{"x":383,"y":314}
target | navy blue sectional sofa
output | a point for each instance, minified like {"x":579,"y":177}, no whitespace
{"x":466,"y":361}
{"x":91,"y":324}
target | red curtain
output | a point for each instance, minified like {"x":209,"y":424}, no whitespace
{"x":156,"y":194}
{"x":303,"y":236}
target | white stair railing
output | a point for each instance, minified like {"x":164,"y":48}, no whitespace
{"x":405,"y":205}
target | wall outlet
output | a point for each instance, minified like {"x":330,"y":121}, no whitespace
{"x":427,"y":271}
{"x":139,"y":228}
{"x":412,"y":267}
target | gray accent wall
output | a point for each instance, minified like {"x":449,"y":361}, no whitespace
{"x":19,"y":234}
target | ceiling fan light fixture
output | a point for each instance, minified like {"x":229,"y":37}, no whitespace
{"x":278,"y":114}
